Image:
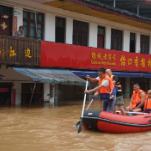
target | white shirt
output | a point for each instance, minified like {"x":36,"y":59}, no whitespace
{"x":105,"y":83}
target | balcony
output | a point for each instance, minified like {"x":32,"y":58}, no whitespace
{"x":19,"y":51}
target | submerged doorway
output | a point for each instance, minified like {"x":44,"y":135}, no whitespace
{"x":5,"y":93}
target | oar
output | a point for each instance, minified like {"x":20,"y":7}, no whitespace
{"x":80,"y":126}
{"x":133,"y":112}
{"x":76,"y":125}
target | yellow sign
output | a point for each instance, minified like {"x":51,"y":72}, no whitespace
{"x":149,"y":63}
{"x":93,"y":55}
{"x":27,"y":53}
{"x":136,"y":61}
{"x":4,"y":26}
{"x":129,"y":61}
{"x":12,"y":52}
{"x":123,"y":59}
{"x":143,"y":62}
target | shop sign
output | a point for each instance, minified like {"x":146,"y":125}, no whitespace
{"x":2,"y":90}
{"x":15,"y":24}
{"x":71,"y":56}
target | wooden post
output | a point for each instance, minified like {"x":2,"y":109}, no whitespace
{"x":32,"y":94}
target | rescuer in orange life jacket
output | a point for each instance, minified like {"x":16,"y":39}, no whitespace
{"x":137,"y":100}
{"x":147,"y":106}
{"x":105,"y":88}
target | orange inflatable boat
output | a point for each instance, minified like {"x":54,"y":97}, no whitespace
{"x":112,"y":123}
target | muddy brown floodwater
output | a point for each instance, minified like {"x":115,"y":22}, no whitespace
{"x":44,"y":128}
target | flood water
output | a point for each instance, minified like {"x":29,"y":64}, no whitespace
{"x":44,"y":128}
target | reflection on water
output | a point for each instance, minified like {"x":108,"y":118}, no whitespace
{"x":44,"y":128}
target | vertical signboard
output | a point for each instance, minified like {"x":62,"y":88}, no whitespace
{"x":15,"y":24}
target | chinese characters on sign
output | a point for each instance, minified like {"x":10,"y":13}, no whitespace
{"x":12,"y":52}
{"x":125,"y":60}
{"x":27,"y":53}
{"x":15,"y":24}
{"x":106,"y":59}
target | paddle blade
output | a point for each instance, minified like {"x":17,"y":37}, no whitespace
{"x":80,"y":126}
{"x":77,"y":124}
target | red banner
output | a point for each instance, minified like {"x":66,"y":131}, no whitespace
{"x":15,"y":24}
{"x":71,"y":56}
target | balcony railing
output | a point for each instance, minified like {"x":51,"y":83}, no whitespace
{"x":19,"y":51}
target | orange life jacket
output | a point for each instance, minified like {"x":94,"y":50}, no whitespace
{"x":107,"y":90}
{"x":136,"y":98}
{"x":147,"y":106}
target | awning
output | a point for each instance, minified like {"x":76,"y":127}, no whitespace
{"x":55,"y":76}
{"x":147,"y":75}
{"x":95,"y":73}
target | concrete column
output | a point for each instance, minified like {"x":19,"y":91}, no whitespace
{"x":17,"y":87}
{"x":46,"y":93}
{"x":127,"y":88}
{"x":69,"y":30}
{"x":126,"y":41}
{"x":93,"y":35}
{"x":56,"y":95}
{"x":18,"y":12}
{"x":49,"y":33}
{"x":137,"y":9}
{"x":114,"y":3}
{"x":108,"y":37}
{"x":138,"y":43}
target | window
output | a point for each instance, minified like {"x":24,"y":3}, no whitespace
{"x":80,"y":33}
{"x":116,"y":39}
{"x":5,"y":20}
{"x":132,"y":42}
{"x":33,"y":26}
{"x":60,"y":30}
{"x":144,"y":44}
{"x":100,"y":39}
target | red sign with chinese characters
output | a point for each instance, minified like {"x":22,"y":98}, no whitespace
{"x":71,"y":56}
{"x":15,"y":24}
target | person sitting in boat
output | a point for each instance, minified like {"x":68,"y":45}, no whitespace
{"x":147,"y":106}
{"x":137,"y":100}
{"x":119,"y":95}
{"x":105,"y":88}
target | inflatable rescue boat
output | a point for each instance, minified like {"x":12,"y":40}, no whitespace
{"x":113,"y":123}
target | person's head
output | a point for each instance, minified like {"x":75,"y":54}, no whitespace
{"x":136,"y":87}
{"x":149,"y":94}
{"x":109,"y":72}
{"x":21,"y":28}
{"x":101,"y":73}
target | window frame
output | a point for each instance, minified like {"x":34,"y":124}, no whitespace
{"x":61,"y":27}
{"x":144,"y":42}
{"x":118,"y":37}
{"x":29,"y":20}
{"x":133,"y":40}
{"x":102,"y":35}
{"x":77,"y":30}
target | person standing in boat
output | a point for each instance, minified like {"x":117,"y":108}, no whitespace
{"x":105,"y":89}
{"x":147,"y":106}
{"x":137,"y":100}
{"x":119,"y":95}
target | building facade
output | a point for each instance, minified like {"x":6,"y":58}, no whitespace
{"x":78,"y":35}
